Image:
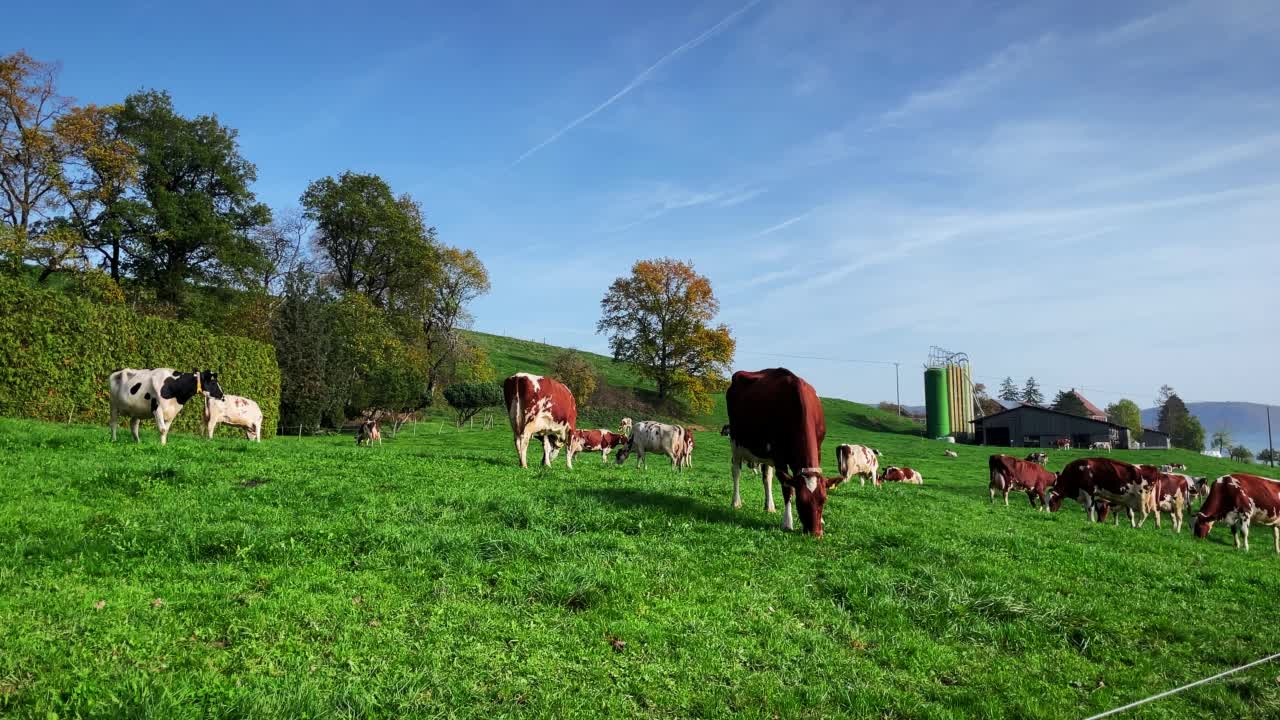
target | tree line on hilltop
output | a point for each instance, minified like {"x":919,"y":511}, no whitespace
{"x":135,"y":203}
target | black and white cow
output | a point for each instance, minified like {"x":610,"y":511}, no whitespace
{"x":159,"y":394}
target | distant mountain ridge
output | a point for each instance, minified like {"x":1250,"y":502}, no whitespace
{"x":1246,"y":421}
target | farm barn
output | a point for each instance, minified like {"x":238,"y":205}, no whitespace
{"x":1155,"y":440}
{"x":1031,"y":426}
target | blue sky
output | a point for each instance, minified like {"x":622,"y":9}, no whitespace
{"x":1086,"y":192}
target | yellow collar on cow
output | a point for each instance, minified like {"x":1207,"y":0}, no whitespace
{"x":199,"y":387}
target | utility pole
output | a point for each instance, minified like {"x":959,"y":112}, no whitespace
{"x":897,"y":389}
{"x":1270,"y":446}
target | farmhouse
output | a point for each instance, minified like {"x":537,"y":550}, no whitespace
{"x":1034,"y":426}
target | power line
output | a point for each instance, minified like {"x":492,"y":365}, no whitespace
{"x":824,"y":359}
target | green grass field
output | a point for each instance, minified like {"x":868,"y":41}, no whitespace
{"x":432,"y":577}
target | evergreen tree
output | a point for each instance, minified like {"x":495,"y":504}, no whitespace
{"x":1009,"y":391}
{"x":1031,"y":392}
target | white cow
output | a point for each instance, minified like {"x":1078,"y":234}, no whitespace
{"x":858,"y":460}
{"x":232,"y":410}
{"x":654,"y":437}
{"x":1100,"y":445}
{"x":159,"y":394}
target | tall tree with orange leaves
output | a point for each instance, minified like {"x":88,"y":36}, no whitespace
{"x":659,"y":320}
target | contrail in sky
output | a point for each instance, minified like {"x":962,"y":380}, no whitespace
{"x":637,"y":80}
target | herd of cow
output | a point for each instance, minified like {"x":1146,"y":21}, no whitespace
{"x":776,"y":425}
{"x":1103,"y":486}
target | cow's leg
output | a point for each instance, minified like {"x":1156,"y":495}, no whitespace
{"x":1244,"y":530}
{"x":787,"y":493}
{"x":568,"y":456}
{"x":1044,"y":501}
{"x":992,"y":490}
{"x":1275,"y":529}
{"x":522,"y":449}
{"x":1031,"y":498}
{"x":162,"y":427}
{"x":135,"y":426}
{"x":736,"y":469}
{"x":546,"y":451}
{"x":766,"y":477}
{"x":1133,"y":517}
{"x":1235,"y":536}
{"x":115,"y":420}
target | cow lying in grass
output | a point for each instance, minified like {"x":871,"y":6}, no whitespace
{"x":901,"y":475}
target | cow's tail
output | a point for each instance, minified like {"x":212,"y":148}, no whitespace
{"x":515,"y":411}
{"x":842,"y":461}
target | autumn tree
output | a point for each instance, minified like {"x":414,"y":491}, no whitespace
{"x":659,"y":320}
{"x":1069,"y":402}
{"x":985,"y":403}
{"x":1031,"y":393}
{"x":99,"y":170}
{"x":31,"y":153}
{"x":577,"y":374}
{"x":1009,"y":391}
{"x":1128,"y":414}
{"x":199,"y":213}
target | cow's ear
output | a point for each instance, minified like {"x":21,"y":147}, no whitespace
{"x":833,"y":481}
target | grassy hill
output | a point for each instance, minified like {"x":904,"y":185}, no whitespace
{"x":510,"y":356}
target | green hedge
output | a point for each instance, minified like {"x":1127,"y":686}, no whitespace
{"x":57,"y":350}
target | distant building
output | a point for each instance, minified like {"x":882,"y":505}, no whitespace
{"x":1155,"y":440}
{"x":1089,"y":407}
{"x":1033,"y":426}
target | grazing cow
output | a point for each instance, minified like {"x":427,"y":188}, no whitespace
{"x":1062,"y":443}
{"x":777,"y":421}
{"x":1172,"y":467}
{"x":1239,"y":500}
{"x":654,"y":437}
{"x":858,"y":460}
{"x":950,"y":453}
{"x":232,"y":410}
{"x":369,"y":433}
{"x":160,"y":394}
{"x":1100,"y":445}
{"x":1039,"y":458}
{"x":543,"y":408}
{"x":1095,"y":481}
{"x":1170,"y":493}
{"x":902,"y":475}
{"x":591,"y":440}
{"x":1009,"y":473}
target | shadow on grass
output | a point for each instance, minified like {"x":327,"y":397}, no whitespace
{"x":679,"y":506}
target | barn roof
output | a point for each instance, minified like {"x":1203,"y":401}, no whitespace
{"x":1092,"y":409}
{"x":1021,"y":408}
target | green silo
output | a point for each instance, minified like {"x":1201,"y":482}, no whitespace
{"x":937,"y":416}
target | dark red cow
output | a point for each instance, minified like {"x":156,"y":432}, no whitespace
{"x":1095,"y":482}
{"x":776,"y":419}
{"x":540,"y":407}
{"x":593,"y":440}
{"x":1062,"y":443}
{"x":1239,"y":500}
{"x":1009,"y":473}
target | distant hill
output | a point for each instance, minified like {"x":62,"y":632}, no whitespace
{"x":1247,"y":422}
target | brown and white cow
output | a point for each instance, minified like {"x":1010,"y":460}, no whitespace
{"x":1062,"y":443}
{"x":901,"y":475}
{"x":1039,"y":458}
{"x":543,"y":408}
{"x":776,"y":419}
{"x":369,"y":433}
{"x":1095,"y":481}
{"x":686,"y":460}
{"x":1240,"y":500}
{"x":232,"y":410}
{"x":649,"y":436}
{"x":1009,"y":473}
{"x":1171,"y":493}
{"x":158,"y":393}
{"x":625,"y":425}
{"x":858,"y":460}
{"x":593,"y":440}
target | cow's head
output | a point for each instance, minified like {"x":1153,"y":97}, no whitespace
{"x":1055,"y":500}
{"x":810,"y":489}
{"x":208,"y":382}
{"x":626,"y":426}
{"x":623,"y":452}
{"x":1203,"y":525}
